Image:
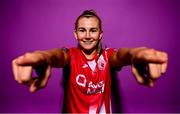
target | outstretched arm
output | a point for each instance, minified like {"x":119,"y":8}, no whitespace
{"x":147,"y":64}
{"x":41,"y":62}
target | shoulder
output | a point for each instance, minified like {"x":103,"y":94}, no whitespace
{"x":109,"y":51}
{"x":73,"y":50}
{"x":70,"y":50}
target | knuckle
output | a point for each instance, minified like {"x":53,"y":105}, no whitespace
{"x":151,"y":51}
{"x":27,"y":54}
{"x":25,"y":79}
{"x":139,"y":54}
{"x":155,"y":76}
{"x":19,"y":81}
{"x":13,"y":61}
{"x":165,"y":55}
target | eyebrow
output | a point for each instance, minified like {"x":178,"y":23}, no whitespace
{"x":94,"y":28}
{"x":90,"y":28}
{"x":81,"y":28}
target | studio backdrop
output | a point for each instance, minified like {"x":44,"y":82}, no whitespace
{"x":26,"y":26}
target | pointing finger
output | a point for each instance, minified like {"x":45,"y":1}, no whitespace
{"x":141,"y":75}
{"x":41,"y":81}
{"x":137,"y":76}
{"x":44,"y":77}
{"x":33,"y":87}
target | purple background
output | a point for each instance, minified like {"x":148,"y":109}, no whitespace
{"x":46,"y":24}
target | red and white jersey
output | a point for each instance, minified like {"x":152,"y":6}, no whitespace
{"x":88,"y":85}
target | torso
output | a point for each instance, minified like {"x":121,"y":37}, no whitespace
{"x":88,"y":86}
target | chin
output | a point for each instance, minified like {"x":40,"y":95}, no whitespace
{"x":88,"y":48}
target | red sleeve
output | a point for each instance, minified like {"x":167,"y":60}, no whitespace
{"x":110,"y":51}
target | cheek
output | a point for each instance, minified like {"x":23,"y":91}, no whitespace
{"x":96,"y":36}
{"x":80,"y":36}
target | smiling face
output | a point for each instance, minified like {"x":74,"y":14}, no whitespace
{"x":88,"y":33}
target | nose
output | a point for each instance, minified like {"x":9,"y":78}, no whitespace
{"x":88,"y":35}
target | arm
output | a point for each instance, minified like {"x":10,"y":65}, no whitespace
{"x":56,"y":57}
{"x":41,"y":62}
{"x":147,"y":64}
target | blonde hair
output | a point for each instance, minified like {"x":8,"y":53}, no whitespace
{"x":88,"y":14}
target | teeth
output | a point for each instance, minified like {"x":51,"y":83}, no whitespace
{"x":87,"y":42}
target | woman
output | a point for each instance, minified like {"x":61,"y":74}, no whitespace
{"x":88,"y":85}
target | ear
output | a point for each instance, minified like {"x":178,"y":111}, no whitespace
{"x":100,"y":36}
{"x":75,"y":35}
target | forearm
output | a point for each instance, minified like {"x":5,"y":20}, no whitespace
{"x":55,"y":57}
{"x":124,"y":57}
{"x":120,"y":58}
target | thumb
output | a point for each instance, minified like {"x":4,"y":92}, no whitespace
{"x":32,"y":87}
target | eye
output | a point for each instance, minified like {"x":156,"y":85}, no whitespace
{"x":93,"y":30}
{"x":81,"y":30}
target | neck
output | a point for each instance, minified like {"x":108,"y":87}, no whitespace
{"x":89,"y":54}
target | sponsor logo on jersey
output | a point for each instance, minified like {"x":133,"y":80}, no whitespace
{"x":81,"y":80}
{"x":85,"y":65}
{"x":92,"y":88}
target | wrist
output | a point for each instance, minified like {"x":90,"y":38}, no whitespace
{"x":134,"y":54}
{"x":44,"y":57}
{"x":125,"y":55}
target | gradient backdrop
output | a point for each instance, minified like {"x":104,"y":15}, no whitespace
{"x":46,"y":24}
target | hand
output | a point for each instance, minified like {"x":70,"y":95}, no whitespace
{"x":148,"y":65}
{"x":23,"y":67}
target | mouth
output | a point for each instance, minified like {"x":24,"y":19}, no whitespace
{"x":87,"y":42}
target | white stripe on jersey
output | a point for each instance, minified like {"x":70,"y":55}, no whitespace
{"x":92,"y":109}
{"x":102,"y":109}
{"x":92,"y":64}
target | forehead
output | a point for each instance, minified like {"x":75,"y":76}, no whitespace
{"x":88,"y":22}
